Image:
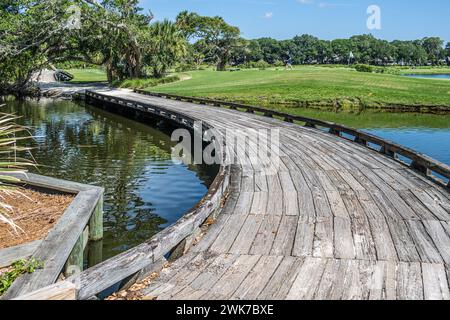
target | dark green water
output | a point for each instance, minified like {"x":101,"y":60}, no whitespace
{"x":145,"y":190}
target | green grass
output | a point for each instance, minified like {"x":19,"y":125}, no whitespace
{"x":313,"y":86}
{"x":88,"y":75}
{"x":145,"y":83}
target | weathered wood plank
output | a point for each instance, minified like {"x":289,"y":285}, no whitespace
{"x":436,"y":286}
{"x":257,"y":279}
{"x":12,"y":254}
{"x":308,"y":278}
{"x":233,"y":277}
{"x":57,"y":246}
{"x":266,"y":235}
{"x":63,"y":290}
{"x":285,"y":237}
{"x":247,"y":234}
{"x":423,"y":242}
{"x":361,"y":223}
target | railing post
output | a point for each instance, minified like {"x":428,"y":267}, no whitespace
{"x":74,"y":264}
{"x":385,"y":150}
{"x":361,"y":141}
{"x":421,"y":168}
{"x":96,"y":222}
{"x":335,"y":132}
{"x":310,"y":125}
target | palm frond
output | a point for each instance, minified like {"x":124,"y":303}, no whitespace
{"x":11,"y":163}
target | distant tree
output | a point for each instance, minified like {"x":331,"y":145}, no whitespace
{"x":167,"y":45}
{"x":219,"y":38}
{"x":447,"y":53}
{"x":307,"y":50}
{"x":341,"y":49}
{"x":434,"y":48}
{"x":409,"y":52}
{"x":267,"y":49}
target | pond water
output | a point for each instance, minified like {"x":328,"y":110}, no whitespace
{"x":145,"y":191}
{"x":429,"y":76}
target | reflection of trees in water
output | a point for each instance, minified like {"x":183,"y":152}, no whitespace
{"x":92,"y":146}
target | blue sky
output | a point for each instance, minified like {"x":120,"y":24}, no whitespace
{"x":326,"y":19}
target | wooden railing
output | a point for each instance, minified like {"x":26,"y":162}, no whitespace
{"x":433,"y":169}
{"x":137,"y":261}
{"x":62,"y":249}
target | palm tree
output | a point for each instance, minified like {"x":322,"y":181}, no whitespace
{"x":167,"y":45}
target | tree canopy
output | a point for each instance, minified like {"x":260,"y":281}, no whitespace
{"x":119,"y":36}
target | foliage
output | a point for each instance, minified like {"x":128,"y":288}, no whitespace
{"x":364,"y":68}
{"x":17,"y":269}
{"x":167,"y":46}
{"x":366,"y":49}
{"x":217,"y":40}
{"x":261,"y":64}
{"x":9,"y":161}
{"x":36,"y":34}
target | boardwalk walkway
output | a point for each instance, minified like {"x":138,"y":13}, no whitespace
{"x":336,"y":221}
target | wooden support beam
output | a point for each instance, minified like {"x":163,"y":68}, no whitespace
{"x":96,"y":222}
{"x":74,"y":264}
{"x":421,"y":168}
{"x":63,"y":290}
{"x":385,"y":150}
{"x":95,"y":253}
{"x":335,"y":132}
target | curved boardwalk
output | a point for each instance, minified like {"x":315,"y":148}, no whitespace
{"x":336,"y":221}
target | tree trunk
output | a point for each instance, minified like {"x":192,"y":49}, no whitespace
{"x":221,"y":65}
{"x":109,"y":74}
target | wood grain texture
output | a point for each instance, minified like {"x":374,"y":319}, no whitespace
{"x":336,"y":220}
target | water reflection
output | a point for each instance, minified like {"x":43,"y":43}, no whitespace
{"x":145,"y":189}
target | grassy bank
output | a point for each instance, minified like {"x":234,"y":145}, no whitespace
{"x":311,"y":86}
{"x":88,"y":75}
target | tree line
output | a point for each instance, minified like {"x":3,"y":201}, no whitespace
{"x":126,"y":41}
{"x":365,"y":49}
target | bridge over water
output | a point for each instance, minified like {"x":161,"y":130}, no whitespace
{"x":338,"y":219}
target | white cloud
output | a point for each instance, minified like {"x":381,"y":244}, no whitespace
{"x":305,"y":1}
{"x":268,"y":15}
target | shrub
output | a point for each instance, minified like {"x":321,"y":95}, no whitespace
{"x":364,"y":68}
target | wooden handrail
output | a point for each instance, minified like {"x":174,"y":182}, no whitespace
{"x":112,"y":271}
{"x":419,"y":162}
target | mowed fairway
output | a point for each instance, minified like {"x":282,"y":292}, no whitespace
{"x":88,"y":75}
{"x":312,"y":85}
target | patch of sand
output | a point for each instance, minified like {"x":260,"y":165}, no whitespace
{"x":34,"y":212}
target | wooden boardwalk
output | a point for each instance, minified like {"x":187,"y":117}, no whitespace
{"x":336,"y":221}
